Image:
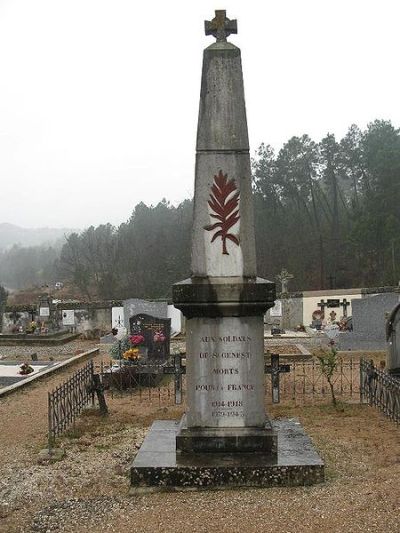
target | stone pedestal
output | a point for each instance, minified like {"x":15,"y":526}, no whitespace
{"x":225,"y":365}
{"x":157,"y":466}
{"x":226,"y":439}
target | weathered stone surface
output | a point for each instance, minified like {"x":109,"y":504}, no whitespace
{"x":207,"y":256}
{"x":157,"y":466}
{"x":222,"y":115}
{"x":223,"y":149}
{"x":226,"y":296}
{"x":224,"y":301}
{"x":136,"y":306}
{"x":225,"y":372}
{"x":227,"y":440}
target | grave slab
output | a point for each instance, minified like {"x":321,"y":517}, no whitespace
{"x":158,"y":466}
{"x":9,"y":372}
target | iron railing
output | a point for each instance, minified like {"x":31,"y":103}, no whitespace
{"x":304,"y":382}
{"x":380,"y":389}
{"x":67,"y":401}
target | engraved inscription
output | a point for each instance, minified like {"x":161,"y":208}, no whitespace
{"x":234,"y":392}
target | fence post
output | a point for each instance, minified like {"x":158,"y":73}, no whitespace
{"x":49,"y":418}
{"x":93,"y":384}
{"x":99,"y":389}
{"x":361,"y":380}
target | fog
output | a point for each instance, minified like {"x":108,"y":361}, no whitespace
{"x":99,"y":99}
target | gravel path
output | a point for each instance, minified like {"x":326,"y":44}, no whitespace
{"x":88,"y":490}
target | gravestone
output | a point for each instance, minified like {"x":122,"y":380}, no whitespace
{"x":290,"y":318}
{"x":284,"y":277}
{"x":156,"y":333}
{"x":117,"y":317}
{"x":225,"y":437}
{"x":393,"y":340}
{"x":45,"y":308}
{"x":137,"y":306}
{"x":369,"y":322}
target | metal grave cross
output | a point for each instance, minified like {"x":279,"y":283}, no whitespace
{"x":178,"y":370}
{"x":220,"y":26}
{"x":275,"y":369}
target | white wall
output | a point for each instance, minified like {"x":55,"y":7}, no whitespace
{"x":311,"y":300}
{"x":176,"y":319}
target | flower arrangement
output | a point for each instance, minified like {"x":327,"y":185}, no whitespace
{"x":131,"y":355}
{"x":31,"y":328}
{"x":136,"y":340}
{"x":128,"y":348}
{"x":25,"y":369}
{"x":159,"y":336}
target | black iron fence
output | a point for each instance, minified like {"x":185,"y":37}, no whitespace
{"x":67,"y":401}
{"x":305,"y":381}
{"x":298,"y":381}
{"x":380,"y":389}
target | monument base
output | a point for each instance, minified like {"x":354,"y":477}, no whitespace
{"x":158,"y":466}
{"x":226,"y":440}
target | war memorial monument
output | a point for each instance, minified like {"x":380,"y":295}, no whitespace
{"x":225,"y":438}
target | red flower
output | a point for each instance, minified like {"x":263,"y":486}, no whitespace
{"x":136,"y":339}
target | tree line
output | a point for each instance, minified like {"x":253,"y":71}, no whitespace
{"x":331,"y":210}
{"x":327,"y":211}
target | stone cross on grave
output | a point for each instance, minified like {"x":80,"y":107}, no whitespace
{"x":220,"y":26}
{"x":284,"y":277}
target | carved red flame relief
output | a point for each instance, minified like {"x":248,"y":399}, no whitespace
{"x":224,"y":204}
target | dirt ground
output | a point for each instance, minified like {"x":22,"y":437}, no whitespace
{"x":88,"y":490}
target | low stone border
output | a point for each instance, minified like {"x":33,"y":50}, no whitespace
{"x":29,"y":380}
{"x":38,"y":340}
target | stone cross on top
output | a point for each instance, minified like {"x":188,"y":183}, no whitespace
{"x":220,"y":26}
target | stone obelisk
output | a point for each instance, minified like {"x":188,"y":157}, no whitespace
{"x":224,"y":301}
{"x":225,"y":439}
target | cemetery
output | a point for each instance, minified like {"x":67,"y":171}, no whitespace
{"x":234,"y":405}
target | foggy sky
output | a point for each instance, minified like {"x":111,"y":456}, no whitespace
{"x":99,"y":99}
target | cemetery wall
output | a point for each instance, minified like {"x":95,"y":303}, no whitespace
{"x":176,"y":319}
{"x":94,"y":318}
{"x":82,"y":317}
{"x":311,"y":299}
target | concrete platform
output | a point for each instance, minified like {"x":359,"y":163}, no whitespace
{"x":157,"y":466}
